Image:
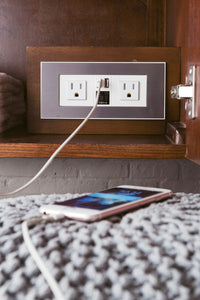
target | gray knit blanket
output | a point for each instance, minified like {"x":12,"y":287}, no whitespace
{"x":149,"y":253}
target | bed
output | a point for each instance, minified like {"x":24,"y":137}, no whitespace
{"x":149,"y":253}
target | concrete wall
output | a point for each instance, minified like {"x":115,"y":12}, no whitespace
{"x":89,"y":175}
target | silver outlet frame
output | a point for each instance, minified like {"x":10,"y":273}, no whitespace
{"x":156,"y":90}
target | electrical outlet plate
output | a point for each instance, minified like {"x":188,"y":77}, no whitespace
{"x":131,"y":90}
{"x":123,"y":91}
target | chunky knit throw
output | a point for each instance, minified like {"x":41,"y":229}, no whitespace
{"x":149,"y":253}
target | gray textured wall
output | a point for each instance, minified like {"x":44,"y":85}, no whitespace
{"x":88,"y":175}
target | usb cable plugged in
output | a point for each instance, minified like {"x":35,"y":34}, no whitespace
{"x":49,"y":161}
{"x":104,"y":97}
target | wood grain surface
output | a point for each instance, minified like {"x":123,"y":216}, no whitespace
{"x":71,"y":23}
{"x":18,"y":143}
{"x":183,"y":30}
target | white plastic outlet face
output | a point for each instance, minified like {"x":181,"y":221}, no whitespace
{"x":131,"y":90}
{"x":76,"y":90}
{"x":117,"y":90}
{"x":73,"y":90}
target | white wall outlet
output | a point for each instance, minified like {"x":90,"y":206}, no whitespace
{"x":75,"y":89}
{"x":129,"y":90}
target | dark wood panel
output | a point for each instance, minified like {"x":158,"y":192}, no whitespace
{"x":183,"y":30}
{"x":86,"y":23}
{"x":68,"y":23}
{"x":20,"y":135}
{"x":75,"y":23}
{"x":156,"y":23}
{"x":37,"y":54}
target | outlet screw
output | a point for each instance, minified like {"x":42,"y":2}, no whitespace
{"x":173,"y":92}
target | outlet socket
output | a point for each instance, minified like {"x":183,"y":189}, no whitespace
{"x":129,"y":90}
{"x":73,"y":91}
{"x":76,"y":90}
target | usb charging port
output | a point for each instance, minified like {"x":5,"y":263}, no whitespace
{"x":106,"y":82}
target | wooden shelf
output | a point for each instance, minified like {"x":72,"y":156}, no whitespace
{"x":18,"y":143}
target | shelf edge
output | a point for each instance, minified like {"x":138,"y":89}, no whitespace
{"x":42,"y":150}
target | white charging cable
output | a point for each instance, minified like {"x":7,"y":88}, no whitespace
{"x":49,"y":161}
{"x":37,"y":258}
{"x":25,"y":225}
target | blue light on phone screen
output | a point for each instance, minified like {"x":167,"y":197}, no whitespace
{"x":108,"y":198}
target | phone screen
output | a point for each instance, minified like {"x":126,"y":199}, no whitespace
{"x":109,"y":198}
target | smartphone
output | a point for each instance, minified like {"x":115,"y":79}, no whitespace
{"x":100,"y":205}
